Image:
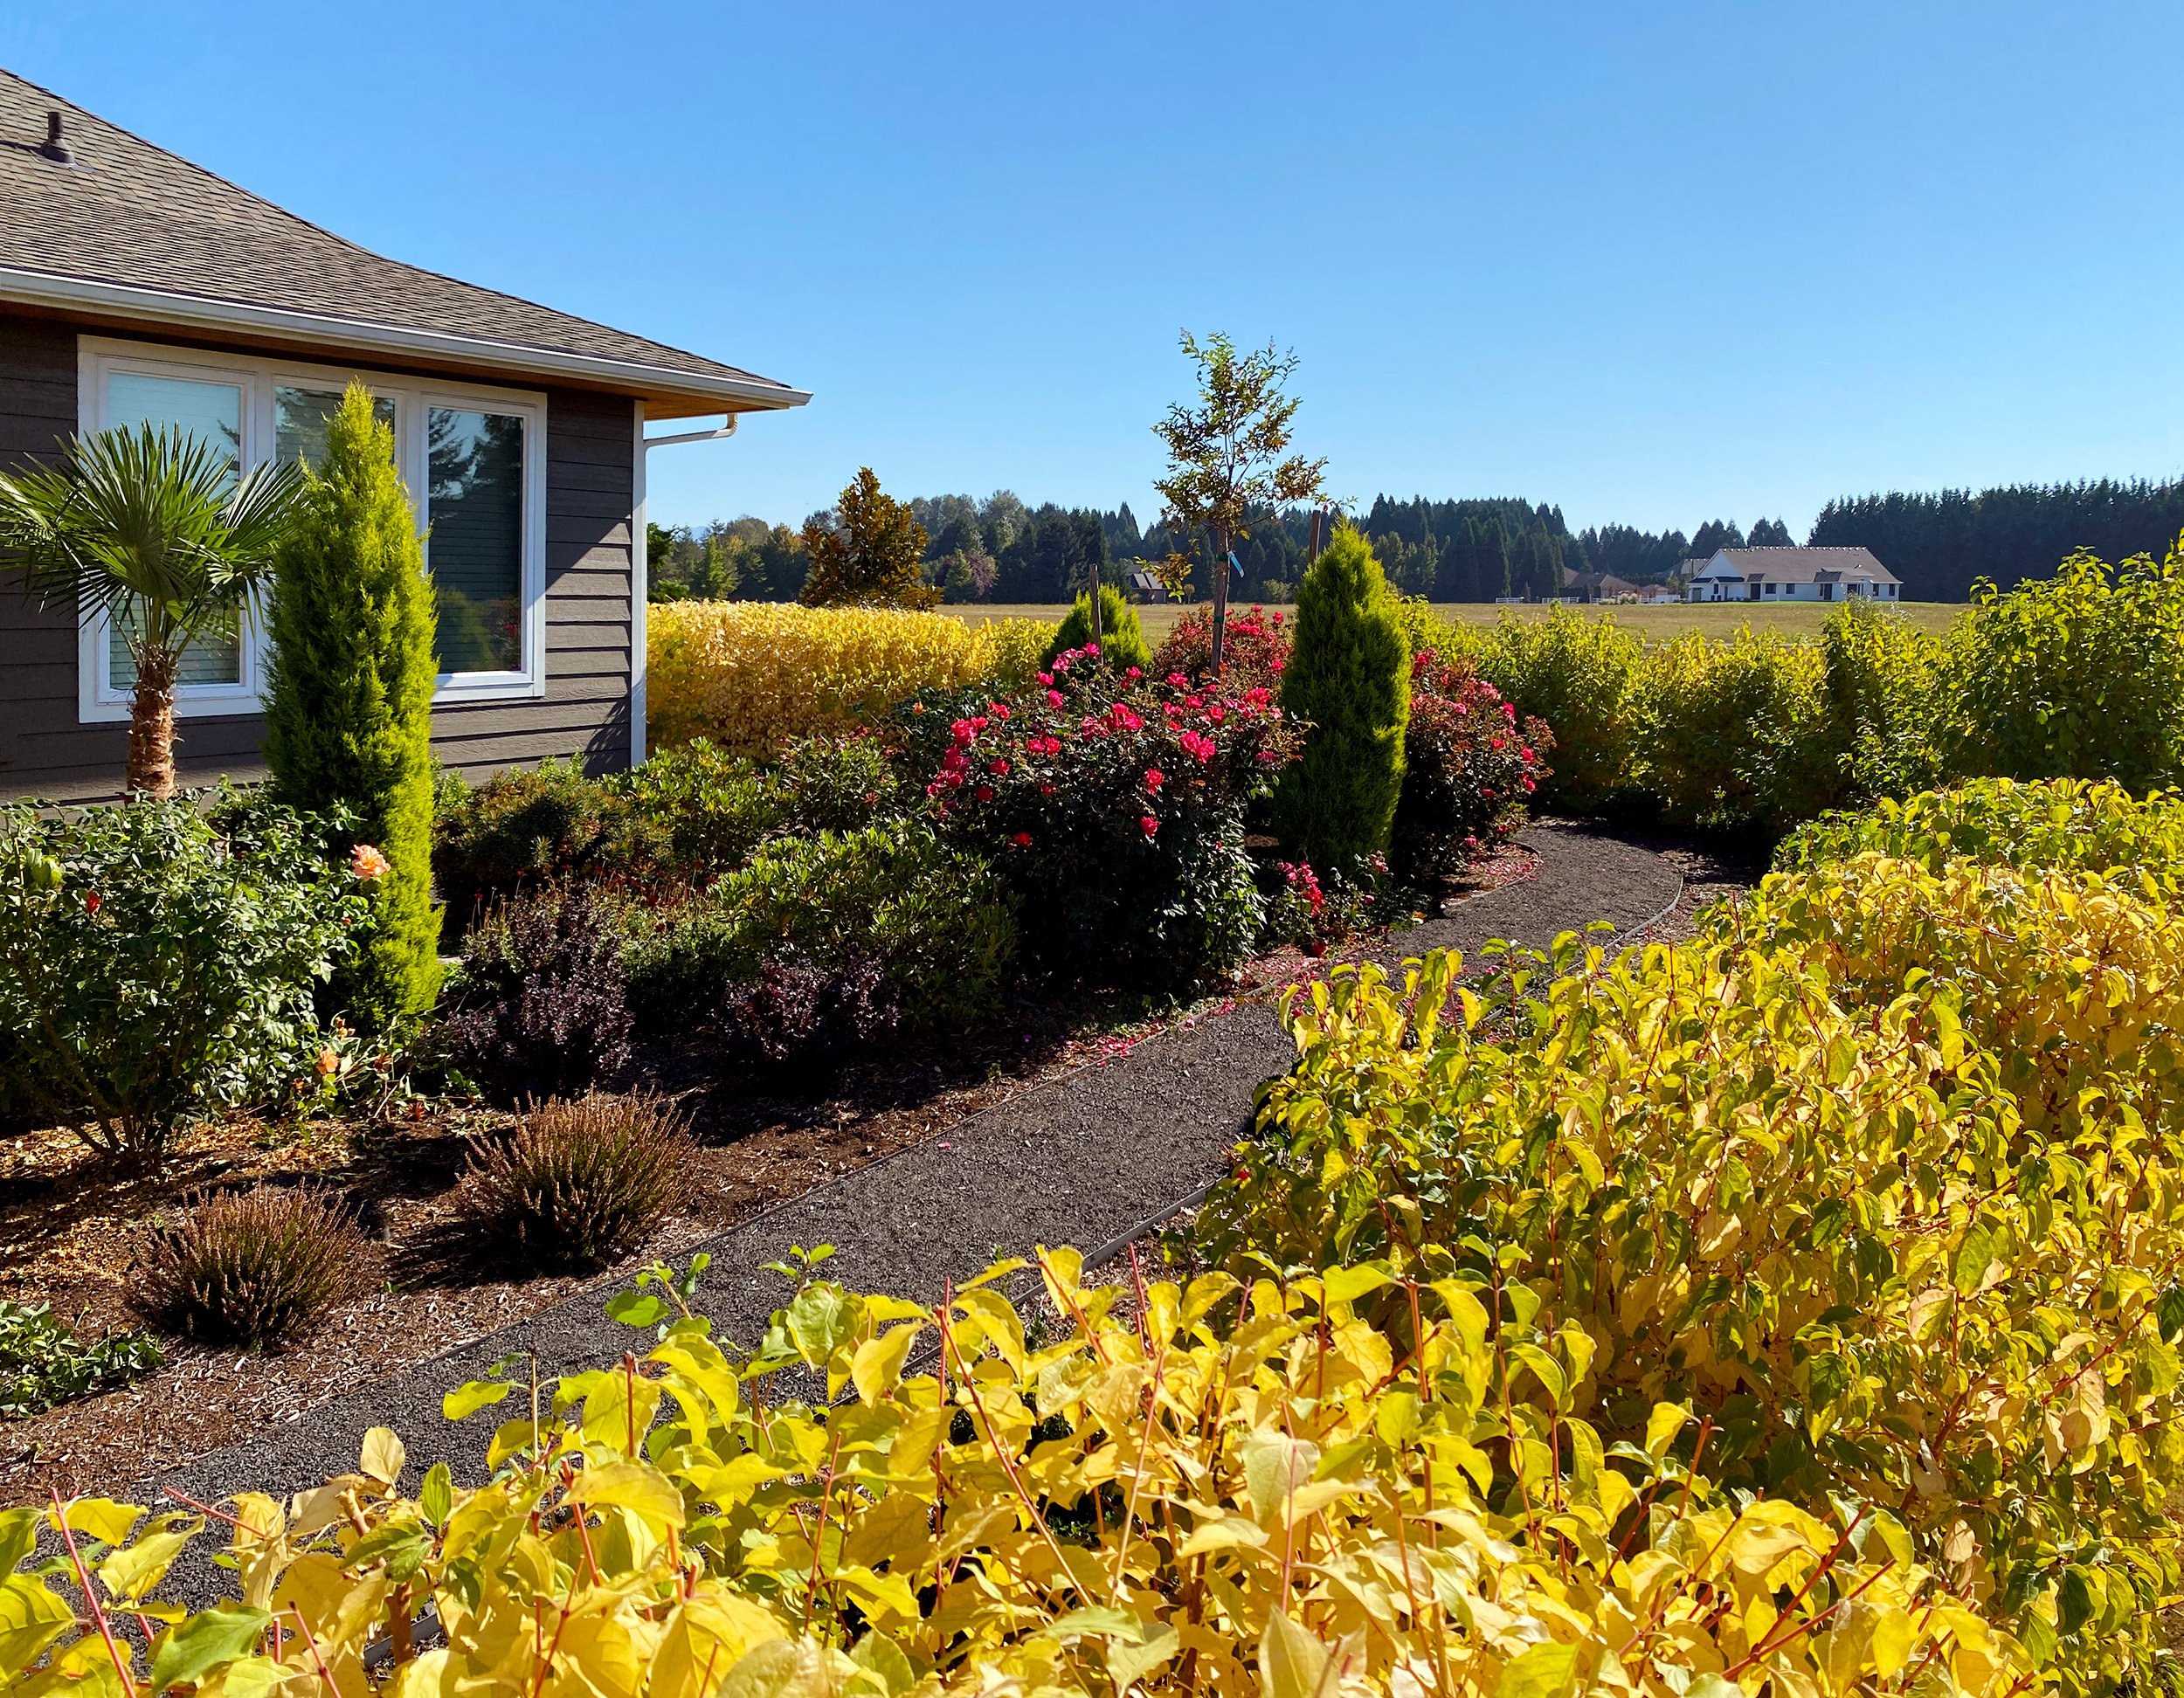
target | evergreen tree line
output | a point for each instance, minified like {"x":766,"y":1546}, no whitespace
{"x":999,"y":549}
{"x":1940,"y":544}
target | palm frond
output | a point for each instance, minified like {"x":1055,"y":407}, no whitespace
{"x":151,"y":523}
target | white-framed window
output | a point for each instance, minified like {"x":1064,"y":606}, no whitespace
{"x":472,"y":457}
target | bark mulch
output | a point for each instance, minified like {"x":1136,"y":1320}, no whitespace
{"x":72,"y":1222}
{"x":1092,"y":1157}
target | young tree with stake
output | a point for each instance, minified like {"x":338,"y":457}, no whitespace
{"x":1225,"y":456}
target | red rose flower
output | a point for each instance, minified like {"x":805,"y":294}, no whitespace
{"x":1148,"y":824}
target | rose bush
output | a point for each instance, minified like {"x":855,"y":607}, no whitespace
{"x":1115,"y":808}
{"x":1469,"y":766}
{"x":1256,"y":655}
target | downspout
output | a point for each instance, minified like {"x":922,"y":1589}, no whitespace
{"x":640,"y":567}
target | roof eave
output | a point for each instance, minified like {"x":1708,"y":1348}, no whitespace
{"x":189,"y":312}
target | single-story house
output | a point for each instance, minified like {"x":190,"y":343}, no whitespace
{"x":137,"y":287}
{"x":1597,"y":587}
{"x":1769,"y":575}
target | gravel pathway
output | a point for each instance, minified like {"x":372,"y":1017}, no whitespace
{"x":1086,"y":1159}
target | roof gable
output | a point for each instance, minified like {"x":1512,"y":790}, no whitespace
{"x":128,"y":228}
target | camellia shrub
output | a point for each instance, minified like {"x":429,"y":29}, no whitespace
{"x":1236,"y":1489}
{"x":1878,"y":1177}
{"x":683,"y":817}
{"x":753,"y":675}
{"x":1469,"y":768}
{"x":1114,"y":808}
{"x":158,"y":964}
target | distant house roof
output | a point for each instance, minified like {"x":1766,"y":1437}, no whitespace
{"x":127,"y":230}
{"x":1599,"y":584}
{"x":1797,"y":565}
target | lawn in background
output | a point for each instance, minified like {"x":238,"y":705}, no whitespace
{"x":1656,"y":622}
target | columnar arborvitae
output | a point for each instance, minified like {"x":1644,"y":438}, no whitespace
{"x":1350,"y":675}
{"x":349,"y":720}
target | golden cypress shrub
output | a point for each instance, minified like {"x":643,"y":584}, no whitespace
{"x":751,"y":675}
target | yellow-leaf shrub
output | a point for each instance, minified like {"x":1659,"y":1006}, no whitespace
{"x":1883,"y":1172}
{"x":1238,"y":1490}
{"x":750,"y":675}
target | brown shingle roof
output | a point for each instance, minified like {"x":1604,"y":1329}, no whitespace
{"x":127,"y":223}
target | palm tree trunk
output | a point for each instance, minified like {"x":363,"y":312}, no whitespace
{"x":152,"y":723}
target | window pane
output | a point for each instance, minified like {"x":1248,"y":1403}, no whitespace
{"x":211,"y":658}
{"x":213,"y":412}
{"x":475,"y":547}
{"x":302,"y":417}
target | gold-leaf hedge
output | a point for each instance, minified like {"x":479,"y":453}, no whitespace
{"x":751,"y":675}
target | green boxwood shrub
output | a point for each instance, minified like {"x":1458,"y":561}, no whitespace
{"x":1122,"y":638}
{"x":1349,"y":679}
{"x":158,"y":964}
{"x":348,"y":718}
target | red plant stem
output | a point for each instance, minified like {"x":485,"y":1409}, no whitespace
{"x":818,"y":1537}
{"x":312,"y":1645}
{"x":91,"y":1597}
{"x":1000,"y":1454}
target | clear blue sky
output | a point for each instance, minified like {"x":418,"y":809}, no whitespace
{"x":1655,"y":262}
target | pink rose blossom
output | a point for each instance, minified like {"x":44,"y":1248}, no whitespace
{"x":1148,"y":824}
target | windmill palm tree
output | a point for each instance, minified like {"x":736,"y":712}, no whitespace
{"x":153,"y":529}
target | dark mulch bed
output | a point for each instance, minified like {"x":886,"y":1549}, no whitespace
{"x":71,"y":1222}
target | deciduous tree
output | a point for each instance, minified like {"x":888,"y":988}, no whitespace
{"x":1227,"y":455}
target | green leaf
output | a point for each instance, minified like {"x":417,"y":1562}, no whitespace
{"x":2169,"y":1313}
{"x":884,"y":1658}
{"x":1101,"y":1619}
{"x":467,"y":1400}
{"x":194,"y":1648}
{"x":1545,"y":1671}
{"x":18,"y":1538}
{"x":636,"y":1308}
{"x":437,"y":1497}
{"x":820,"y":1320}
{"x":1975,"y":1253}
{"x":1292,"y":1664}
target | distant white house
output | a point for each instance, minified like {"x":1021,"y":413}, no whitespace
{"x":1769,"y":575}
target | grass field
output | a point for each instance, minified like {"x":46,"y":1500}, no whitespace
{"x":1656,"y":624}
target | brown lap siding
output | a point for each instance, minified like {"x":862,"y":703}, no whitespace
{"x":44,"y":751}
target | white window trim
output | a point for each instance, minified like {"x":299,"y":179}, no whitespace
{"x":99,"y":702}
